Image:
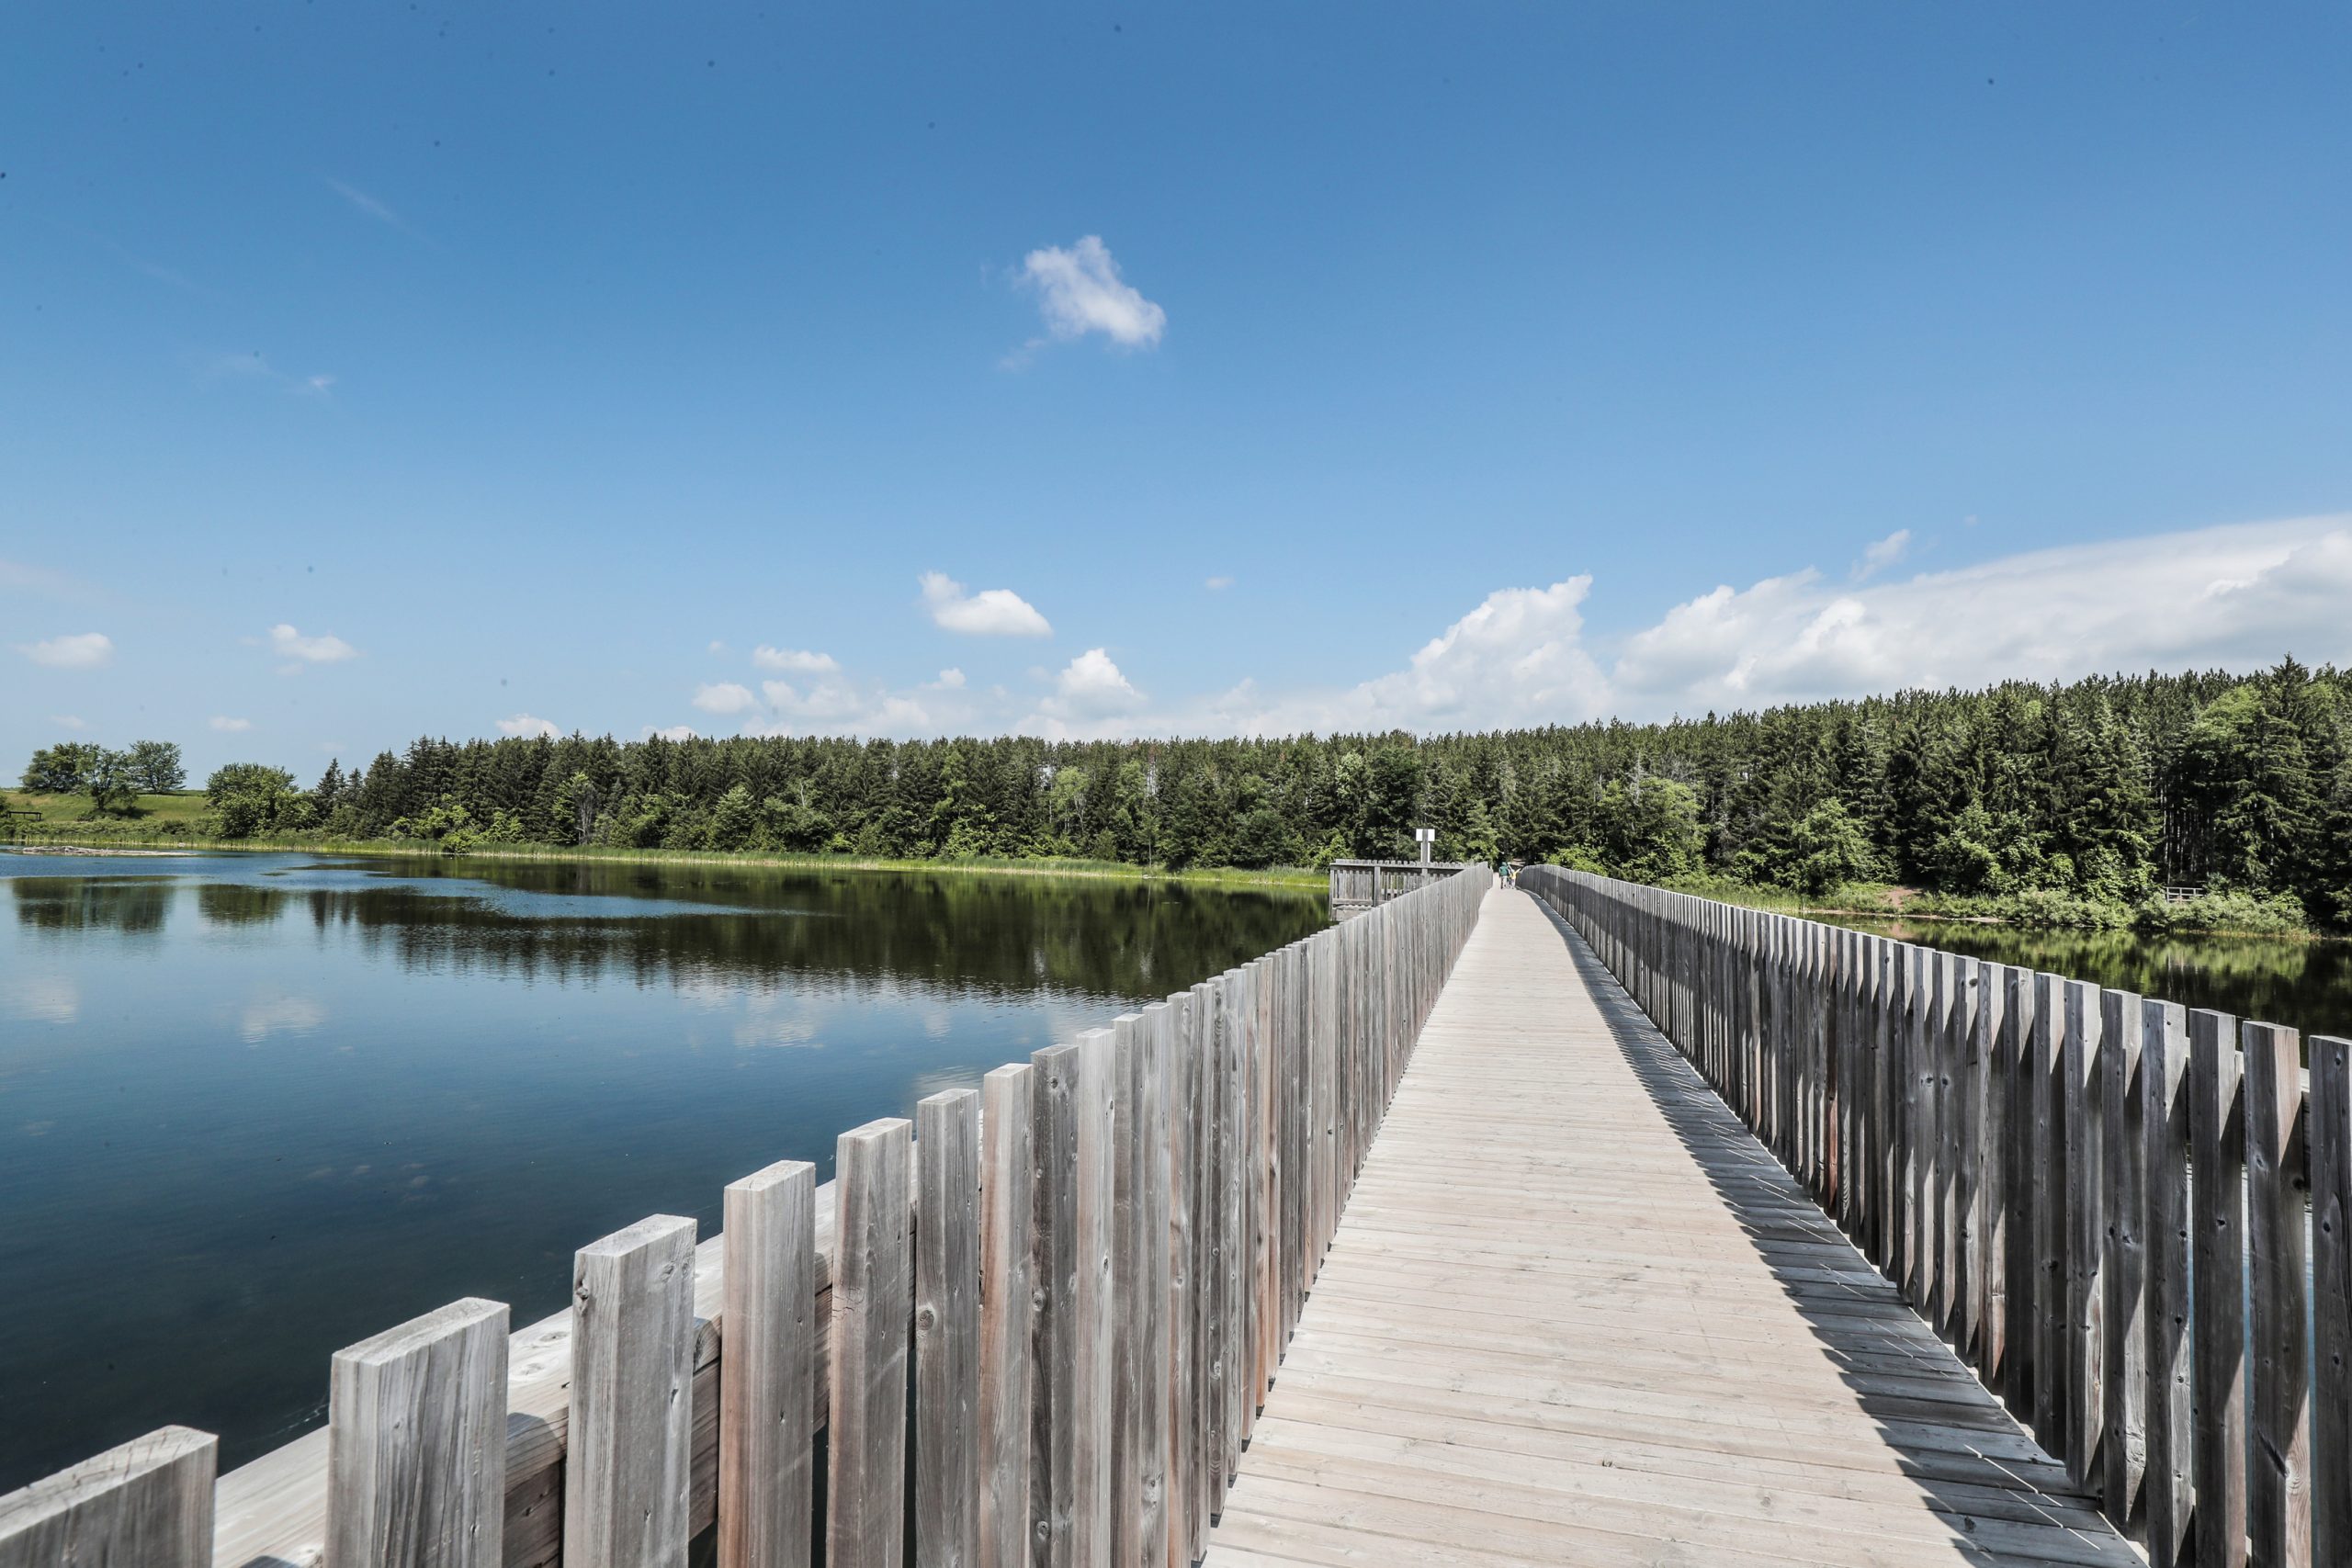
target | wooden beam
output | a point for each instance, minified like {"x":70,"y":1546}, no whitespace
{"x":416,"y":1443}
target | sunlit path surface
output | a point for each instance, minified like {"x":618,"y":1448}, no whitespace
{"x":1575,"y":1314}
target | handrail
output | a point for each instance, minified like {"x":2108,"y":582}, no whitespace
{"x":1098,"y":1257}
{"x":2099,"y":1200}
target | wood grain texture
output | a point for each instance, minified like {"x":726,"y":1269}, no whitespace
{"x":629,"y":1464}
{"x":1130,"y":1352}
{"x":2086,"y":1420}
{"x":1007,"y":1285}
{"x":2217,"y":1151}
{"x":2165,"y":1132}
{"x":416,"y":1443}
{"x":2051,"y":1363}
{"x":767,"y":1419}
{"x":872,"y":1300}
{"x":947,"y":1330}
{"x":2279,"y":1473}
{"x":145,"y":1504}
{"x":2329,"y":1136}
{"x":1096,"y":1302}
{"x":2123,"y":1376}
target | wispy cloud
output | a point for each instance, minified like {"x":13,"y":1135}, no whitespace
{"x":228,"y":726}
{"x":288,"y":643}
{"x":994,"y":612}
{"x":1880,"y":555}
{"x":81,"y":650}
{"x":69,"y":721}
{"x":674,"y":732}
{"x":363,"y":203}
{"x":724,"y":698}
{"x":1080,"y":291}
{"x":1218,"y":584}
{"x":529,"y":725}
{"x":17,"y":577}
{"x":254,"y":366}
{"x":794,"y":661}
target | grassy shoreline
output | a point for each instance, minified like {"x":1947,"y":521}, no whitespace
{"x":2233,"y":915}
{"x":151,"y":832}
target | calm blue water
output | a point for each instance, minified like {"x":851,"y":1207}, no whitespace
{"x":255,"y":1108}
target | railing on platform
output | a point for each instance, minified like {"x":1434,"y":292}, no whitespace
{"x":1084,"y":1272}
{"x":1361,"y":885}
{"x":2127,"y":1216}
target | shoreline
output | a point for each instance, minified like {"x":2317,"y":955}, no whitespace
{"x":1287,"y":879}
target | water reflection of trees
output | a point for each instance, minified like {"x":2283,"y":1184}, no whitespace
{"x":241,"y":903}
{"x":1012,"y":936}
{"x":2302,"y":985}
{"x":133,"y":904}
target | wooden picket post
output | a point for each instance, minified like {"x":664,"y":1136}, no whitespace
{"x":416,"y":1443}
{"x":768,"y":1377}
{"x":947,"y":1329}
{"x":146,"y":1503}
{"x":872,"y":1300}
{"x":629,"y":1453}
{"x":1007,"y":1199}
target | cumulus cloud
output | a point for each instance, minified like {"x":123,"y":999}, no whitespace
{"x":1092,"y":682}
{"x":288,"y":643}
{"x":528,"y":725}
{"x":80,"y":651}
{"x":794,"y":661}
{"x":1218,"y":584}
{"x":993,"y":612}
{"x":950,"y":680}
{"x":1881,"y":554}
{"x":725,"y":697}
{"x":1080,"y":291}
{"x":227,"y":726}
{"x":674,"y":732}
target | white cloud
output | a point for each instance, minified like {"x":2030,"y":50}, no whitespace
{"x":950,"y":680}
{"x":361,"y":202}
{"x":994,"y":612}
{"x":1080,"y":291}
{"x":81,"y":650}
{"x":288,"y":643}
{"x":69,"y":721}
{"x":267,"y":1014}
{"x":1218,"y":584}
{"x":726,"y":696}
{"x":674,"y":732}
{"x":227,"y":726}
{"x":1091,"y":680}
{"x":794,"y":661}
{"x":1881,"y":554}
{"x":523,"y":723}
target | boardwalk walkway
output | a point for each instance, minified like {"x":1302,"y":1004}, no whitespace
{"x":1575,"y":1314}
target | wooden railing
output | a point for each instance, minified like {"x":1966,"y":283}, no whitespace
{"x":2131,"y":1219}
{"x":1084,"y":1273}
{"x":1361,"y":885}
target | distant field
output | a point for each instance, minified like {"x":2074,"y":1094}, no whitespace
{"x":69,"y":816}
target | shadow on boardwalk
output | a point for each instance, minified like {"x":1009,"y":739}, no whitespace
{"x":1973,"y":1465}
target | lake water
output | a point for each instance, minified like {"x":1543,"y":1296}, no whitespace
{"x":2303,"y":985}
{"x":255,"y":1108}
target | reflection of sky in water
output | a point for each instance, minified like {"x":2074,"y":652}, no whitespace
{"x":300,"y":1101}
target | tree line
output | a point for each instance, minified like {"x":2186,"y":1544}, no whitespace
{"x":2103,"y":789}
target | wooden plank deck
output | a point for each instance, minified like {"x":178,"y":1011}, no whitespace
{"x":1575,"y":1314}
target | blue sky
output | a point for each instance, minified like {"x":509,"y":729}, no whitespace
{"x":368,"y":371}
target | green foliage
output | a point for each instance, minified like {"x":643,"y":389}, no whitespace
{"x":155,"y":767}
{"x":62,"y":769}
{"x":107,"y":780}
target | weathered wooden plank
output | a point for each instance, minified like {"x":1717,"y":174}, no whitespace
{"x":2051,"y":1216}
{"x":767,"y":1378}
{"x":1128,"y":1351}
{"x":2086,"y":1235}
{"x":873,"y":1301}
{"x":416,"y":1443}
{"x":1991,"y":1148}
{"x":1146,"y":1300}
{"x":2329,"y":1136}
{"x":145,"y":1504}
{"x":1097,"y":1300}
{"x":2165,"y":1133}
{"x":947,"y":1329}
{"x":2023,"y":1177}
{"x":1235,"y":1146}
{"x":2279,"y":1473}
{"x":1008,"y":1232}
{"x":2217,"y":1146}
{"x":2123,"y":1375}
{"x":1186,"y":1520}
{"x":628,"y":1461}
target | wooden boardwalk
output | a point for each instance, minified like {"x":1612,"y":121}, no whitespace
{"x":1575,"y":1314}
